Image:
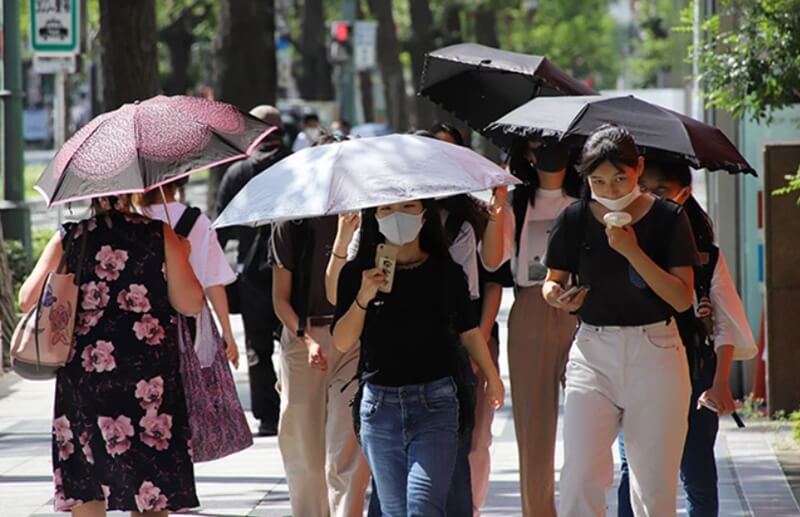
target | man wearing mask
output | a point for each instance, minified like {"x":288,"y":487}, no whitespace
{"x":254,"y":279}
{"x":539,"y":336}
{"x":310,"y":133}
{"x":325,"y":469}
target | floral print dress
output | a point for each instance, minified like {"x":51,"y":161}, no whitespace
{"x":120,"y":429}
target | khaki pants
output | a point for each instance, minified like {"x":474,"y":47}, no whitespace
{"x":635,"y":379}
{"x":539,"y":338}
{"x":325,"y":468}
{"x":480,"y":459}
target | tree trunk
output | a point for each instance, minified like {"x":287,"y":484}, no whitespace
{"x":245,"y":67}
{"x":365,"y":81}
{"x":315,"y":80}
{"x":179,"y":38}
{"x":421,"y":43}
{"x":452,"y":25}
{"x":130,"y":59}
{"x":8,"y":306}
{"x":486,"y":34}
{"x":388,"y":50}
{"x":486,"y":26}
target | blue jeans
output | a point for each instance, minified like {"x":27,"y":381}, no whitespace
{"x":410,"y":438}
{"x":459,"y":498}
{"x":698,"y":464}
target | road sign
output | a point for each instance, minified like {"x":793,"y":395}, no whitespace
{"x":54,"y":26}
{"x":66,"y":64}
{"x":364,"y":35}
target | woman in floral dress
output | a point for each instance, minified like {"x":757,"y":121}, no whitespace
{"x":120,"y":430}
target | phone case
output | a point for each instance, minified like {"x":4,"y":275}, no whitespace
{"x":386,"y":260}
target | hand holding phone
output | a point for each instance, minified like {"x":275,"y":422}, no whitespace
{"x":570,"y":294}
{"x":386,"y":261}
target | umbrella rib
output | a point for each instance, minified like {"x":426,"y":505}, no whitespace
{"x":66,"y":165}
{"x":333,"y":176}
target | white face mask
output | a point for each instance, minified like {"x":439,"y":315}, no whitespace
{"x":312,"y":133}
{"x":400,"y":228}
{"x":619,"y":204}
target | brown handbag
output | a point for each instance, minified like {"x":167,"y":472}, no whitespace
{"x":43,"y":341}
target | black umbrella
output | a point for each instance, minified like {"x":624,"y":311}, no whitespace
{"x":658,"y":131}
{"x":478,"y":84}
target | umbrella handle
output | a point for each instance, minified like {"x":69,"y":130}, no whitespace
{"x":166,"y":208}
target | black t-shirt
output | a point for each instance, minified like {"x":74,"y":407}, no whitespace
{"x":408,"y":333}
{"x":618,"y":295}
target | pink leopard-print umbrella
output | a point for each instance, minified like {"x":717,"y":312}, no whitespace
{"x":141,"y":146}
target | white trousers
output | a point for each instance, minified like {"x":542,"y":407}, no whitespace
{"x":635,"y":379}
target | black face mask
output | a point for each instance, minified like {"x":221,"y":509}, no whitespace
{"x":552,"y":158}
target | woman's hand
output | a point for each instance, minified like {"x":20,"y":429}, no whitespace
{"x":623,"y":240}
{"x":552,"y":291}
{"x":316,"y":358}
{"x":348,"y":224}
{"x":719,"y":397}
{"x":231,"y":350}
{"x":371,"y":280}
{"x":498,"y":200}
{"x":495,"y":391}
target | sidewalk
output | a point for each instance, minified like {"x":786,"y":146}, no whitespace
{"x":252,"y":482}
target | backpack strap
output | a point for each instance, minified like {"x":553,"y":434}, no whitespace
{"x":185,"y":224}
{"x":303,"y":246}
{"x":575,"y":220}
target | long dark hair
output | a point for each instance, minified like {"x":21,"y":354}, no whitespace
{"x":520,"y":166}
{"x":431,"y":238}
{"x":464,"y":207}
{"x":702,"y":227}
{"x":609,"y":143}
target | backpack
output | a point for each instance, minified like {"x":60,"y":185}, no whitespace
{"x":694,"y":334}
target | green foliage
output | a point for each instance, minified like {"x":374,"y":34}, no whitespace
{"x":794,"y":418}
{"x":659,"y":51}
{"x":17,"y":262}
{"x":792,"y":185}
{"x":753,"y":67}
{"x":578,"y":36}
{"x":752,"y":408}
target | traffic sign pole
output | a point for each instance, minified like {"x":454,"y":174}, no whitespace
{"x":14,"y":212}
{"x":347,"y":72}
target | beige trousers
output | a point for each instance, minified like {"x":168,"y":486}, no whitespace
{"x":480,"y":460}
{"x":539,"y":339}
{"x":634,"y":379}
{"x":325,"y":468}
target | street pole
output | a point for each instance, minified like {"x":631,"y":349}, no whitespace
{"x":347,"y":70}
{"x":13,"y":210}
{"x":60,"y":122}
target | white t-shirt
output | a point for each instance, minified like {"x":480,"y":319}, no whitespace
{"x":730,"y":322}
{"x":526,"y":265}
{"x":207,"y":258}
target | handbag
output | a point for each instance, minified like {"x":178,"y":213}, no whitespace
{"x":43,"y":341}
{"x":216,"y":418}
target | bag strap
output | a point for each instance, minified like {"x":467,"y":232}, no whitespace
{"x":188,"y":218}
{"x":520,"y":199}
{"x":304,"y":247}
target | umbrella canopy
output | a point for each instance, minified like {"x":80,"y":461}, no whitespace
{"x":361,"y":173}
{"x":658,"y":131}
{"x":478,"y":84}
{"x":141,"y":146}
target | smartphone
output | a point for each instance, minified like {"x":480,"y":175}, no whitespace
{"x":571,"y":293}
{"x":386,"y":261}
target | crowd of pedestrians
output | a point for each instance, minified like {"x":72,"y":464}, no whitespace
{"x":388,"y":373}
